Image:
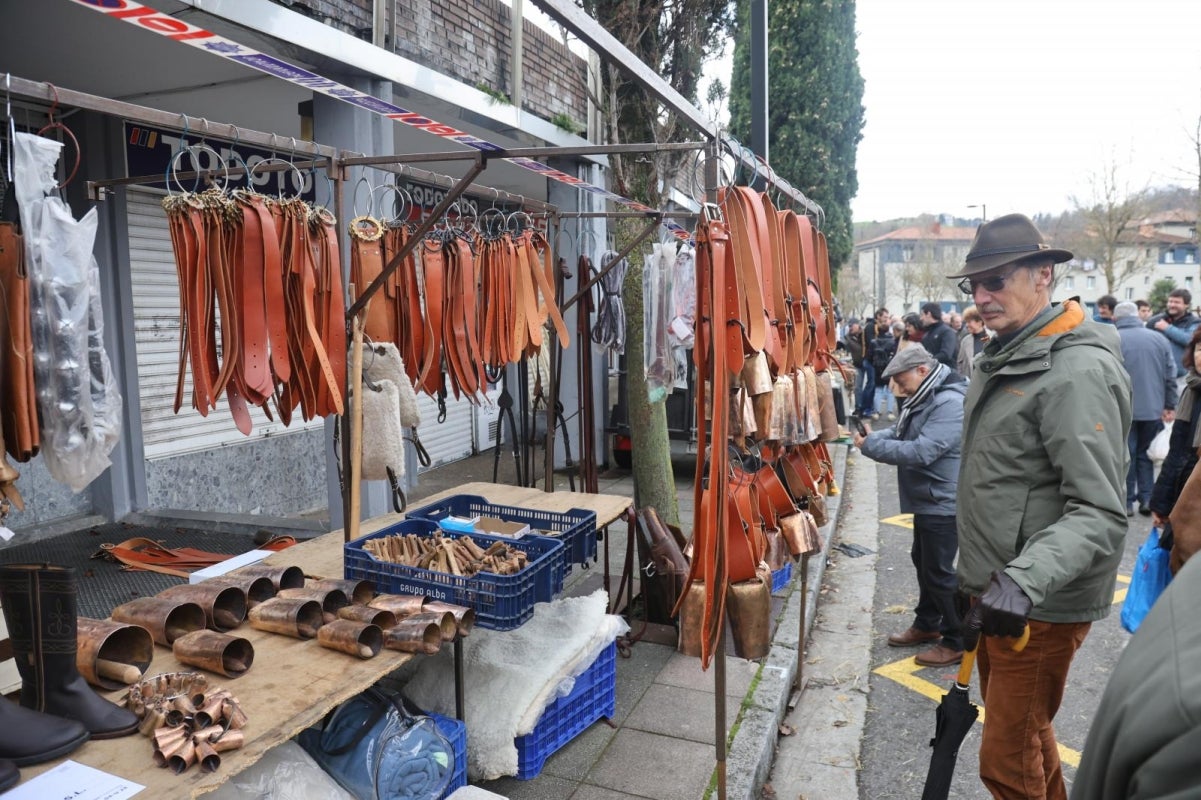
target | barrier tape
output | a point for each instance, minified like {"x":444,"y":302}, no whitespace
{"x":165,"y":25}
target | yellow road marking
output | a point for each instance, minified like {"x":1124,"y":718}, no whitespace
{"x":900,"y":520}
{"x":905,"y":672}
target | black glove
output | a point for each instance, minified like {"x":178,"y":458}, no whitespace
{"x":1000,"y":611}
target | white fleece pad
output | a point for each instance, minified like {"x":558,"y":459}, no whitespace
{"x":512,"y":676}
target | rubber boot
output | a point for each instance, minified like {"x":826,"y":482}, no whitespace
{"x":29,"y":737}
{"x":39,"y":607}
{"x":9,"y":774}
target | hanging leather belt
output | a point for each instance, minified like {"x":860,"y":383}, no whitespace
{"x":22,"y":436}
{"x":434,"y":269}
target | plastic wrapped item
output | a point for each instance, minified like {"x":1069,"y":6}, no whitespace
{"x":683,"y":297}
{"x":285,"y":772}
{"x":79,"y":401}
{"x":657,"y":359}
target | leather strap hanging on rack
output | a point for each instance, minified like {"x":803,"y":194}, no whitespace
{"x":463,"y":358}
{"x":401,"y":295}
{"x":266,"y":272}
{"x":366,"y":264}
{"x":434,"y":269}
{"x":708,"y":567}
{"x":22,"y":435}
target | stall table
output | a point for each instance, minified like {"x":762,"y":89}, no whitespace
{"x":294,"y":683}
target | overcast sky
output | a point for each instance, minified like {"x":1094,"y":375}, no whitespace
{"x":1014,"y":104}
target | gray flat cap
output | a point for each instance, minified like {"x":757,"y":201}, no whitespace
{"x":912,"y":356}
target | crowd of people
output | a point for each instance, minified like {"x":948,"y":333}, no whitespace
{"x":1022,"y":433}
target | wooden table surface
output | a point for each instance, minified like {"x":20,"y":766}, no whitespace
{"x":294,"y":683}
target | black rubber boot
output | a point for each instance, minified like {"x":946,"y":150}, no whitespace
{"x":30,"y":737}
{"x":39,"y":607}
{"x":9,"y":774}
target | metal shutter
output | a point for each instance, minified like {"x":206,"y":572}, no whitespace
{"x":156,"y":332}
{"x":450,"y":440}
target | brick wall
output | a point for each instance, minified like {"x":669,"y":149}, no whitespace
{"x":469,"y":41}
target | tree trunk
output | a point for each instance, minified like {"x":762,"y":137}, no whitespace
{"x":654,"y":482}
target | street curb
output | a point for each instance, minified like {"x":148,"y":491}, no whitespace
{"x":752,"y":752}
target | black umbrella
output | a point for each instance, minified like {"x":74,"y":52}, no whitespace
{"x":952,"y":720}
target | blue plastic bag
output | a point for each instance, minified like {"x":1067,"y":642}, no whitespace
{"x":378,"y":750}
{"x":1151,"y":576}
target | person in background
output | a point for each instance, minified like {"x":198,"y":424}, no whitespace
{"x":853,"y":339}
{"x":1182,"y":449}
{"x":1146,"y":732}
{"x":937,"y":336}
{"x":972,"y":341}
{"x":956,"y":322}
{"x":1040,"y":504}
{"x":866,"y":400}
{"x":1148,"y":361}
{"x":925,"y":446}
{"x":1177,"y":325}
{"x":880,"y":353}
{"x":1144,"y":310}
{"x":891,"y":400}
{"x":913,"y":330}
{"x":1105,"y":306}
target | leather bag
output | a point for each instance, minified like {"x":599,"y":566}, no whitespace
{"x":666,"y":575}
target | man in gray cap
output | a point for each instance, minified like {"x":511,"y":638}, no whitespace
{"x":1040,"y":503}
{"x":1147,"y":357}
{"x":925,"y":445}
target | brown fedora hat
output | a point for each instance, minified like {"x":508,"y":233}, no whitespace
{"x":1005,"y":240}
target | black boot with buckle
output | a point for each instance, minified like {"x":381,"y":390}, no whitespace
{"x":39,"y":608}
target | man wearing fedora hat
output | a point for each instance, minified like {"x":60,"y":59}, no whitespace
{"x":1041,"y":498}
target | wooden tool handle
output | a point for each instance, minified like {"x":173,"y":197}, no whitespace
{"x":116,"y":671}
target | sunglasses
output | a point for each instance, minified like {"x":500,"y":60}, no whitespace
{"x":991,"y":284}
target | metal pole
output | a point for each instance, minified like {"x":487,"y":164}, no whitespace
{"x":798,"y":683}
{"x":759,"y":78}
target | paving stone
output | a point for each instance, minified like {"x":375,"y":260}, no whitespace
{"x":678,"y":712}
{"x":544,"y":787}
{"x":589,"y":792}
{"x":685,"y":671}
{"x":577,"y":756}
{"x":660,"y":767}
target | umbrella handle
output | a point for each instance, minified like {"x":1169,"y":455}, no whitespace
{"x":969,"y":657}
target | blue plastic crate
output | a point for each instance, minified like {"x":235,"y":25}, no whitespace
{"x":501,"y":602}
{"x":576,"y":527}
{"x":593,"y":697}
{"x":780,"y":577}
{"x":456,"y":731}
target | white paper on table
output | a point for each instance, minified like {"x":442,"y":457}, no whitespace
{"x":71,"y":780}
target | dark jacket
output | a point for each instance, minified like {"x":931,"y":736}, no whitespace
{"x":1178,"y":465}
{"x":1147,"y":357}
{"x":929,"y":453}
{"x":880,"y":352}
{"x":1043,"y":485}
{"x":1178,"y":334}
{"x":856,"y":346}
{"x":939,"y":339}
{"x":1145,"y":736}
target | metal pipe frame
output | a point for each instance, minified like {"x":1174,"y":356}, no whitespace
{"x":390,"y":164}
{"x":49,"y":93}
{"x":524,"y":152}
{"x":96,"y":189}
{"x":576,"y":20}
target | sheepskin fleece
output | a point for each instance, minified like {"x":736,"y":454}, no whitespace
{"x":383,"y":439}
{"x":512,"y":676}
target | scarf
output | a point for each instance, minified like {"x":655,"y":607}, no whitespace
{"x":1184,"y":408}
{"x":923,"y":393}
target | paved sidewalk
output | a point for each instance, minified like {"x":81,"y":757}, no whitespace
{"x":660,"y":744}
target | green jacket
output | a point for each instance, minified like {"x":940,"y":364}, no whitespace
{"x":1145,"y":736}
{"x":1042,"y":483}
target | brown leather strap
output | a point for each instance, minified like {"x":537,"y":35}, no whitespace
{"x":22,"y":435}
{"x":434,"y":269}
{"x":273,"y":286}
{"x":254,"y":358}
